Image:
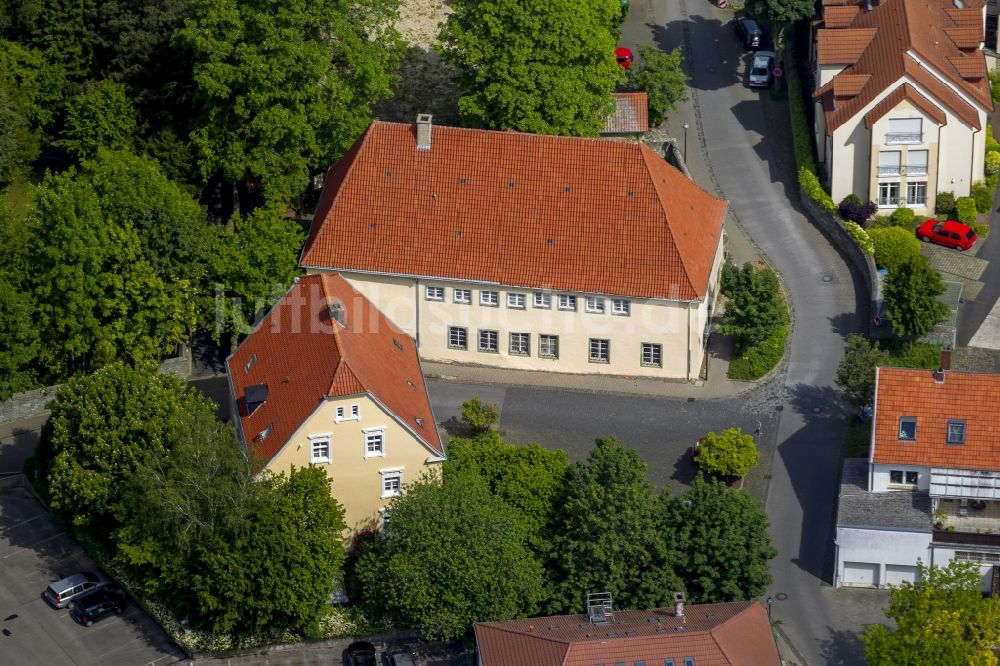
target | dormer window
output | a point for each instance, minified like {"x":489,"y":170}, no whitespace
{"x":255,"y":396}
{"x":908,"y":428}
{"x":956,"y":431}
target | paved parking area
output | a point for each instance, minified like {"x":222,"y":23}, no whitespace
{"x":33,"y":552}
{"x":964,"y":267}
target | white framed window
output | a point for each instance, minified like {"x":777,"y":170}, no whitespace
{"x":904,"y":130}
{"x":542,"y":300}
{"x":548,"y":346}
{"x":374,"y":442}
{"x":956,"y":431}
{"x":319,"y":448}
{"x":888,"y":195}
{"x":889,"y":163}
{"x":516,"y":301}
{"x":593,"y":304}
{"x":458,"y":337}
{"x":621,"y":307}
{"x":520,"y":344}
{"x":652,"y":355}
{"x":903,"y":478}
{"x":916,"y":194}
{"x":353,"y":410}
{"x":600,"y":350}
{"x":462,"y":296}
{"x":567,"y":302}
{"x":392,"y":482}
{"x":916,"y":162}
{"x":489,"y":298}
{"x":489,"y":341}
{"x":976,"y":556}
{"x":908,"y":428}
{"x":434,"y":293}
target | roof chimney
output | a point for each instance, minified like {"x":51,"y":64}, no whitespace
{"x":424,"y":131}
{"x":678,"y":604}
{"x":944,"y":367}
{"x":337,"y":313}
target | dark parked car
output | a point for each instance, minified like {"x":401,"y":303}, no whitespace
{"x":96,"y":606}
{"x":361,"y":653}
{"x":399,"y":657}
{"x":61,"y":593}
{"x":949,"y":233}
{"x":749,"y":32}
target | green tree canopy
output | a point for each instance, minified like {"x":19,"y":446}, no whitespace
{"x":285,"y":88}
{"x":546,"y":67}
{"x":102,"y":428}
{"x":529,"y":478}
{"x":780,"y":12}
{"x":856,"y":372}
{"x":941,"y":619}
{"x":100,"y":117}
{"x":718,"y":542}
{"x":729,"y":453}
{"x":18,"y":340}
{"x":894,"y":246}
{"x":480,"y":416}
{"x":659,"y":74}
{"x":910,"y":297}
{"x":605,"y":535}
{"x":754,"y":305}
{"x":454,"y":554}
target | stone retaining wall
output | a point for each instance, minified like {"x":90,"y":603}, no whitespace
{"x":29,"y":403}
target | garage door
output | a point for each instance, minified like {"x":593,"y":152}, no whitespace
{"x":898,"y":573}
{"x":860,"y":574}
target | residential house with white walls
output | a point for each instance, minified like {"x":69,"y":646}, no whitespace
{"x":525,"y":251}
{"x":902,"y":99}
{"x":930,"y":488}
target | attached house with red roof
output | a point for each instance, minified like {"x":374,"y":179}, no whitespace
{"x":736,"y":633}
{"x":326,"y":379}
{"x":525,"y":251}
{"x":930,"y":488}
{"x":902,"y":99}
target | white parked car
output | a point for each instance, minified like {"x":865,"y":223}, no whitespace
{"x":762,"y":69}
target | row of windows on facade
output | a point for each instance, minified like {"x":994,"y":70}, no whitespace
{"x":908,"y":430}
{"x":888,"y":195}
{"x":540,"y":300}
{"x":519,"y":344}
{"x":392,"y":480}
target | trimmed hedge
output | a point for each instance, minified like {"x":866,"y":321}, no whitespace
{"x":903,"y":217}
{"x":965,"y":210}
{"x":861,"y":237}
{"x":894,"y":246}
{"x":760,"y":359}
{"x":814,"y":190}
{"x":983,"y":196}
{"x":992,"y":163}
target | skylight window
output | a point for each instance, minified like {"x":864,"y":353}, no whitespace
{"x":956,"y":431}
{"x":908,"y":428}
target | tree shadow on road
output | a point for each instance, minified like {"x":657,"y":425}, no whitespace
{"x":842,"y":648}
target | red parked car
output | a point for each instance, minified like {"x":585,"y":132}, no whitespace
{"x":950,"y":234}
{"x":623,"y":56}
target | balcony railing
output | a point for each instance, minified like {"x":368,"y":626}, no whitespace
{"x":903,"y":170}
{"x":904,"y":137}
{"x":965,"y":538}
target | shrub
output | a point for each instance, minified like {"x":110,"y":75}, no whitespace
{"x":902,"y":217}
{"x":992,"y":163}
{"x":861,"y":237}
{"x":982,"y":230}
{"x":850,"y":199}
{"x":995,"y":86}
{"x":881,"y":221}
{"x":983,"y":196}
{"x":856,"y":211}
{"x":728,"y":453}
{"x":894,"y":246}
{"x":814,"y":190}
{"x":992,"y":145}
{"x":965,"y":210}
{"x":760,"y":359}
{"x":945,"y":204}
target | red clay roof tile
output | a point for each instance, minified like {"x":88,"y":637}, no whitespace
{"x":905,"y":91}
{"x":303,"y":356}
{"x":962,"y":396}
{"x":842,"y":46}
{"x":517,"y":209}
{"x":631,"y":114}
{"x":969,"y":68}
{"x":849,"y":85}
{"x":839,"y":17}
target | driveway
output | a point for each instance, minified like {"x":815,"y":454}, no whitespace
{"x":34,"y":552}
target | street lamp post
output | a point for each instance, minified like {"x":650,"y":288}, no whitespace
{"x":686,"y":126}
{"x":770,"y":600}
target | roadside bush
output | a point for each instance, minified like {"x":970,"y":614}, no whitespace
{"x":861,"y":237}
{"x":945,"y":204}
{"x":983,"y":196}
{"x":728,"y":453}
{"x":852,"y":209}
{"x":814,"y":190}
{"x":992,"y":145}
{"x":982,"y":230}
{"x":894,"y":246}
{"x":965,"y":210}
{"x":760,"y":359}
{"x":902,"y":217}
{"x":995,"y":85}
{"x":881,"y":221}
{"x":992,"y":163}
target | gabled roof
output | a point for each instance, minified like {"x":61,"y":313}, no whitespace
{"x":563,"y":213}
{"x":963,"y":396}
{"x":908,"y":92}
{"x":631,"y":114}
{"x":714,"y":634}
{"x":839,"y":17}
{"x":303,"y":356}
{"x":908,"y":38}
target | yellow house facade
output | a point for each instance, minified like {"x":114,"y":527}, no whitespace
{"x":327,"y":380}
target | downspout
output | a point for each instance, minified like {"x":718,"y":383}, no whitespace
{"x":689,"y":342}
{"x":416,"y":307}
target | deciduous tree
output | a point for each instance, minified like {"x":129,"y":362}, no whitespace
{"x":659,"y":74}
{"x":729,"y":453}
{"x":545,"y":67}
{"x":754,"y":306}
{"x":856,"y":372}
{"x":18,"y":340}
{"x":454,"y":554}
{"x":718,"y":542}
{"x":100,"y":117}
{"x":605,"y":536}
{"x":910,"y":297}
{"x":480,"y":416}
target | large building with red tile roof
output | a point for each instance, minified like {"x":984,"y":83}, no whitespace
{"x":902,"y":99}
{"x":525,"y":251}
{"x":723,"y":634}
{"x":326,"y":379}
{"x":930,"y":488}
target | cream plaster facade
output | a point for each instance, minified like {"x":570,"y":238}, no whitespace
{"x":429,"y":309}
{"x":357,"y":478}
